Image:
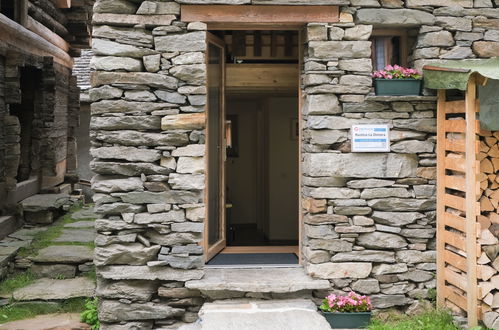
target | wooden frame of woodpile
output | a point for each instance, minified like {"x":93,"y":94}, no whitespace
{"x":467,"y":208}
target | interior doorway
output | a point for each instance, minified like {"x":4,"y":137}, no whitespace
{"x":253,"y":146}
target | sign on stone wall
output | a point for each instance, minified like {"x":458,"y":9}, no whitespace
{"x":370,"y":138}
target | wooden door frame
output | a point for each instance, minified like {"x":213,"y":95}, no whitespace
{"x":213,"y":26}
{"x":210,"y":252}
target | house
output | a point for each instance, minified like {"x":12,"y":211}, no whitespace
{"x":39,"y":102}
{"x":221,"y":133}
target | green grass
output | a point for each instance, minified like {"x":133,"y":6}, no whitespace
{"x":16,"y":281}
{"x":429,"y":320}
{"x":19,"y":311}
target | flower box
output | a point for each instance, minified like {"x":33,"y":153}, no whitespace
{"x":354,"y":320}
{"x":352,"y":311}
{"x":397,"y":87}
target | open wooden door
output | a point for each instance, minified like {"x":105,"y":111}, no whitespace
{"x":215,"y":234}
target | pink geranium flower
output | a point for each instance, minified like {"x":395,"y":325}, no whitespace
{"x":396,"y":72}
{"x":352,"y":302}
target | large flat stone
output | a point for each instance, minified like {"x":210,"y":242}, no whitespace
{"x":64,"y":254}
{"x":49,"y":289}
{"x":42,"y":202}
{"x":361,"y":165}
{"x":149,"y":273}
{"x":260,"y":315}
{"x":277,"y":280}
{"x":76,"y":235}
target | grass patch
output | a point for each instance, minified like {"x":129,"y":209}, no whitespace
{"x":22,"y":310}
{"x":429,"y":320}
{"x":16,"y":281}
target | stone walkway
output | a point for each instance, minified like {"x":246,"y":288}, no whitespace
{"x":296,"y":314}
{"x":48,"y":322}
{"x":60,"y":268}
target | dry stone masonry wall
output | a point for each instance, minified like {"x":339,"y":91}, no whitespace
{"x":369,"y":219}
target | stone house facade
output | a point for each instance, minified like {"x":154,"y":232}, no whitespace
{"x":367,"y":220}
{"x":39,"y":100}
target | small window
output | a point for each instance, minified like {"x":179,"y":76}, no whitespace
{"x":389,"y":47}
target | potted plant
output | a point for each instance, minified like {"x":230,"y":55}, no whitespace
{"x":397,"y":80}
{"x":352,"y":311}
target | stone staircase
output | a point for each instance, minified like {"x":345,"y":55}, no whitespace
{"x":294,"y":314}
{"x":61,"y":269}
{"x":259,"y":299}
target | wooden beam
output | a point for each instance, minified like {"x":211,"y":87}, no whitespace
{"x":273,"y":44}
{"x":259,"y":14}
{"x":471,"y":207}
{"x":440,"y":246}
{"x":27,"y":41}
{"x":62,"y":3}
{"x":288,"y":43}
{"x":46,"y":34}
{"x":239,"y":43}
{"x":257,"y":43}
{"x":262,"y":77}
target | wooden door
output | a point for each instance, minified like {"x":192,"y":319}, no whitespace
{"x":215,"y":233}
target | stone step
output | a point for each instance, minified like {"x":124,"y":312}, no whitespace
{"x":8,"y":224}
{"x":64,"y":254}
{"x":79,"y":235}
{"x":219,"y":283}
{"x":51,"y":289}
{"x":296,"y":314}
{"x":48,"y":322}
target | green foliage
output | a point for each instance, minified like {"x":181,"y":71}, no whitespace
{"x":92,"y":275}
{"x":90,"y":315}
{"x":24,"y":310}
{"x":432,"y":295}
{"x":429,"y":320}
{"x":16,"y":281}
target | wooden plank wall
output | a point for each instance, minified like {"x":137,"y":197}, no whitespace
{"x":457,"y":207}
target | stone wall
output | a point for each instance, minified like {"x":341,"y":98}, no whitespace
{"x":369,"y":221}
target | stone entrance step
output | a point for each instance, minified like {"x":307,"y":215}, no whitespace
{"x":295,"y":314}
{"x":223,"y":283}
{"x":42,"y":208}
{"x":50,"y":289}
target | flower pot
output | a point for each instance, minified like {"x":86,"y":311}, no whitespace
{"x":348,"y":320}
{"x":397,"y":86}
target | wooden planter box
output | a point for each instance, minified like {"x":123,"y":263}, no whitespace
{"x":348,"y":320}
{"x":397,"y":87}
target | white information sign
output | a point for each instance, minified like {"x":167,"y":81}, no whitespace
{"x":370,"y":138}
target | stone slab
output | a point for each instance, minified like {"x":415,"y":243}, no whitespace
{"x":50,"y":289}
{"x":43,"y":202}
{"x":8,"y":224}
{"x":80,"y":224}
{"x":65,"y":254}
{"x":49,"y":321}
{"x":76,"y":235}
{"x":27,"y":233}
{"x":84,"y":214}
{"x":260,"y":315}
{"x":277,"y":280}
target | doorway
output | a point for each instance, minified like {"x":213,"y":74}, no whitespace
{"x":253,"y":146}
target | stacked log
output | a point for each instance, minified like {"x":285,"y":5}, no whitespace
{"x":488,"y":262}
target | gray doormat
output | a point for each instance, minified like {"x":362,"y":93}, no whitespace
{"x":253,"y":259}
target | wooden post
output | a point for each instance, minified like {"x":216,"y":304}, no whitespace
{"x":440,"y":193}
{"x":471,"y":205}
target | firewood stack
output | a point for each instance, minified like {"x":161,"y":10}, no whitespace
{"x":488,"y":262}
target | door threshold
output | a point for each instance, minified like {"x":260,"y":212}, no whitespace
{"x":261,"y":249}
{"x":253,"y":266}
